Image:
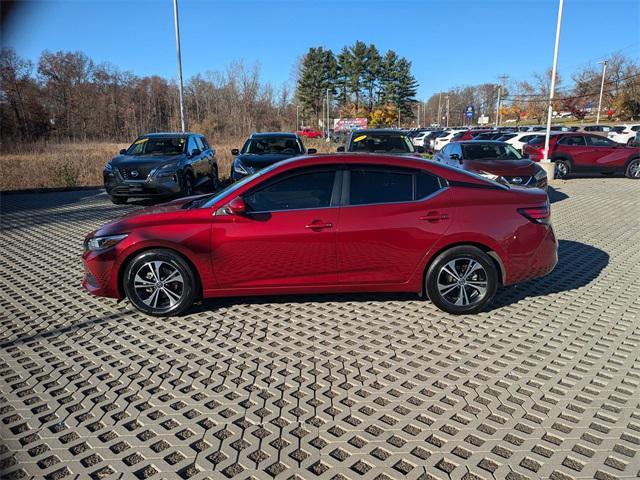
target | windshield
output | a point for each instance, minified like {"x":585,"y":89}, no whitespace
{"x":157,"y":146}
{"x":492,"y":151}
{"x":381,"y":143}
{"x":265,"y":145}
{"x":228,"y":190}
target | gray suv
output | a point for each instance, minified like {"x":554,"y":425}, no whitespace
{"x":161,"y":165}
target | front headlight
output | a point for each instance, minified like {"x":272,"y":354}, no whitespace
{"x":102,"y":243}
{"x":541,"y":173}
{"x":239,"y":168}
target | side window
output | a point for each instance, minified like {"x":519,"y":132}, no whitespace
{"x":306,"y":190}
{"x":205,"y":144}
{"x":446,"y":150}
{"x":456,"y":149}
{"x":572,"y":141}
{"x":426,"y":184}
{"x":598,"y":141}
{"x":191,"y":145}
{"x":635,"y":128}
{"x":380,"y":186}
{"x":199,"y":144}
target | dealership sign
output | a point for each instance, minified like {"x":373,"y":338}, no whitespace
{"x":348,"y":124}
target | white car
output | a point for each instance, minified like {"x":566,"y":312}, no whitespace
{"x":418,"y":140}
{"x":443,"y":140}
{"x":519,"y":140}
{"x":625,"y":134}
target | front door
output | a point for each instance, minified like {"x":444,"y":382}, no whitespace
{"x":286,"y":238}
{"x":392,"y":219}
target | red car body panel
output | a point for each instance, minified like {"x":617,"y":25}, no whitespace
{"x":353,"y":248}
{"x":585,"y":157}
{"x":308,"y":133}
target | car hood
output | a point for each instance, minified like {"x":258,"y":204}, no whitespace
{"x":523,"y":167}
{"x":264,"y":160}
{"x":148,"y":161}
{"x":153,"y":215}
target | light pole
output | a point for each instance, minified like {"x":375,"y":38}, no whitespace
{"x":328,"y":115}
{"x":545,"y":163}
{"x":447,"y":99}
{"x":439,"y":109}
{"x":297,"y":117}
{"x":604,"y":72}
{"x":177,"y":28}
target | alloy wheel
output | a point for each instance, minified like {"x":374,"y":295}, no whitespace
{"x":462,"y":282}
{"x":159,"y":285}
{"x":561,"y":169}
{"x":634,"y":169}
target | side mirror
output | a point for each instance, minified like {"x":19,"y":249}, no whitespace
{"x":195,"y":152}
{"x":236,"y":206}
{"x":312,"y":151}
{"x":123,"y":151}
{"x":235,"y":152}
{"x":454,"y":156}
{"x":419,"y":149}
{"x":340,"y":149}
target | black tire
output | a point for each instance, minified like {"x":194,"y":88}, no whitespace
{"x":445,"y":289}
{"x":118,"y":200}
{"x":633,"y":169}
{"x":187,"y":185}
{"x":215,"y":179}
{"x":630,"y":142}
{"x":144,"y":283}
{"x":562,"y":168}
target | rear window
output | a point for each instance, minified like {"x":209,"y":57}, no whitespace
{"x":375,"y":186}
{"x":618,"y":129}
{"x":537,"y":140}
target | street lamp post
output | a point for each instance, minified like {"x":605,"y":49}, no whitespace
{"x":545,"y":163}
{"x":180,"y":87}
{"x":604,"y":72}
{"x":447,"y":99}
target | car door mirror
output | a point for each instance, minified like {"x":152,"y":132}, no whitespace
{"x":123,"y":151}
{"x":236,"y":206}
{"x":312,"y":151}
{"x":419,"y":149}
{"x":235,"y":151}
{"x":454,"y":156}
{"x":195,"y":152}
{"x":340,"y":149}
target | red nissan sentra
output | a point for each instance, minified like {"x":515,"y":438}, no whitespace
{"x":320,"y":224}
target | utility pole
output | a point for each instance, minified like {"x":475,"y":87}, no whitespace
{"x":502,"y":78}
{"x":297,"y":117}
{"x":439,"y":109}
{"x":447,"y":98}
{"x":545,"y":163}
{"x":604,"y":72}
{"x":328,"y":115}
{"x":180,"y":87}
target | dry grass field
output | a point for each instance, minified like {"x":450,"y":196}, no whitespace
{"x":67,"y":165}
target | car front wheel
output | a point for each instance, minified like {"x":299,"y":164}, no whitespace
{"x":462,"y":280}
{"x":160,"y":283}
{"x":633,"y":169}
{"x":118,"y":200}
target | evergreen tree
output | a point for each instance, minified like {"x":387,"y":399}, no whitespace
{"x":371,"y":74}
{"x":318,"y":72}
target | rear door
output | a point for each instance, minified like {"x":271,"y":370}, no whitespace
{"x":391,"y":219}
{"x":606,"y":154}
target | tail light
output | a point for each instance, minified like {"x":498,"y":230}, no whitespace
{"x":540,"y":214}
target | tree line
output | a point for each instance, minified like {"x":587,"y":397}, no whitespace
{"x":67,"y":96}
{"x":360,"y":81}
{"x":527,"y":100}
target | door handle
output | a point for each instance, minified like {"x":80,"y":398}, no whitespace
{"x":434,"y":217}
{"x":318,"y":225}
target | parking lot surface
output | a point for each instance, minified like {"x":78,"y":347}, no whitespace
{"x":546,"y":384}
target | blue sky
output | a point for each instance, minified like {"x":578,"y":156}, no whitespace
{"x":450,"y":43}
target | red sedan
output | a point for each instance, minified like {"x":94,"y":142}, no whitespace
{"x":583,"y":152}
{"x":309,"y":133}
{"x":340,"y":223}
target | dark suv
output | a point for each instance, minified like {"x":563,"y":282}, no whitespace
{"x":382,"y":140}
{"x":161,"y":164}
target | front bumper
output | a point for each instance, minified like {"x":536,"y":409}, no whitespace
{"x":101,"y":273}
{"x":152,"y":186}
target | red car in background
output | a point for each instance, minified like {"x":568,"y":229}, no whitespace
{"x":309,"y":133}
{"x":467,"y":135}
{"x":583,"y":152}
{"x":321,"y":224}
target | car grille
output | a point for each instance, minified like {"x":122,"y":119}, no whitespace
{"x":134,"y":173}
{"x":522,"y":181}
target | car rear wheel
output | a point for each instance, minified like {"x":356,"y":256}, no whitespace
{"x":462,"y":280}
{"x":633,"y":169}
{"x":160,"y":283}
{"x":562,"y":168}
{"x":119,"y":200}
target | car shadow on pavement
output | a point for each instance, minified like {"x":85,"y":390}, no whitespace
{"x":578,"y":265}
{"x":556,"y":195}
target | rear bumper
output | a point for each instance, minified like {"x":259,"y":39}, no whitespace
{"x":538,"y":262}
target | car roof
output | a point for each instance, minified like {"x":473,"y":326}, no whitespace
{"x":169,"y":134}
{"x":274,"y":134}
